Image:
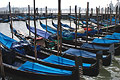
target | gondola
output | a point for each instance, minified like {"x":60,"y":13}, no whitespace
{"x":108,"y":40}
{"x":31,"y":70}
{"x":67,"y":26}
{"x":81,"y":33}
{"x":51,"y":60}
{"x":106,"y":58}
{"x":4,"y":20}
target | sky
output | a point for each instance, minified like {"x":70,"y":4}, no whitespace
{"x":54,"y":3}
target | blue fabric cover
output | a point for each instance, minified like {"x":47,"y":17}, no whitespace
{"x":85,"y":22}
{"x":48,"y":28}
{"x":39,"y":32}
{"x":67,"y":34}
{"x":72,"y":17}
{"x":94,"y":21}
{"x":71,"y":33}
{"x":20,"y":17}
{"x":6,"y":41}
{"x":118,"y":34}
{"x":93,"y":46}
{"x":55,"y":25}
{"x":65,"y":25}
{"x":105,"y":41}
{"x":92,"y":32}
{"x":77,"y":52}
{"x":62,"y":61}
{"x":78,"y":34}
{"x":43,"y":17}
{"x":13,"y":44}
{"x":112,"y":36}
{"x":42,"y":69}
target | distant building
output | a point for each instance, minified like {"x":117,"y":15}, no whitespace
{"x":4,"y":8}
{"x":13,"y":9}
{"x":117,"y":4}
{"x":111,"y":6}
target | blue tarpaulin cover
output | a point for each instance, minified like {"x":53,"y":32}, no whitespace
{"x":20,"y":17}
{"x":93,"y":46}
{"x":6,"y":41}
{"x":65,"y":25}
{"x":116,"y":34}
{"x":39,"y":32}
{"x":48,"y":28}
{"x":105,"y":41}
{"x":62,"y":61}
{"x":112,"y":36}
{"x":77,"y":52}
{"x":42,"y":69}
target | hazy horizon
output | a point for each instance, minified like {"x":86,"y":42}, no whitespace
{"x":54,"y":3}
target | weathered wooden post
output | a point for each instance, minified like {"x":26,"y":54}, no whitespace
{"x":107,"y":17}
{"x":79,"y":18}
{"x":76,"y":26}
{"x":1,"y":65}
{"x":59,"y":25}
{"x":97,"y":21}
{"x":29,"y":19}
{"x":11,"y":19}
{"x":35,"y":31}
{"x":78,"y":69}
{"x":119,"y":14}
{"x":46,"y":17}
{"x":87,"y":12}
{"x":77,"y":63}
{"x":110,"y":16}
{"x":116,"y":16}
{"x":102,"y":15}
{"x":69,"y":16}
{"x":91,"y":14}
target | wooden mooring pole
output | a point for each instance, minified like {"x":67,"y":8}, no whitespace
{"x":46,"y":17}
{"x":1,"y":65}
{"x":11,"y":19}
{"x":102,"y":15}
{"x":29,"y":19}
{"x":35,"y":31}
{"x":116,"y":16}
{"x":97,"y":10}
{"x":79,"y":18}
{"x":99,"y":59}
{"x":76,"y":26}
{"x":91,"y":14}
{"x":107,"y":17}
{"x":110,"y":16}
{"x":119,"y":13}
{"x":78,"y":69}
{"x":59,"y":25}
{"x":87,"y":12}
{"x":69,"y":16}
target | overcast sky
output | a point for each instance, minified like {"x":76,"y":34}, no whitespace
{"x":54,"y":3}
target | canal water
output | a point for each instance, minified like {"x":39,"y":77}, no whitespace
{"x":111,"y":72}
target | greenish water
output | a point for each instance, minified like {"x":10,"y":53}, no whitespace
{"x":111,"y":72}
